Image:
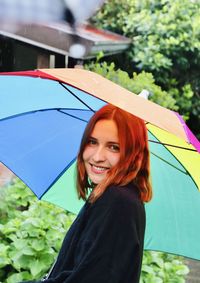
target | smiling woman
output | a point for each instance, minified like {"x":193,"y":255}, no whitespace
{"x":105,"y":242}
{"x":120,"y":140}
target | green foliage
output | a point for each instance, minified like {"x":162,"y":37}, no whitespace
{"x":135,"y":84}
{"x":160,"y":267}
{"x":184,"y":99}
{"x":165,"y":42}
{"x":165,"y":33}
{"x":31,"y":233}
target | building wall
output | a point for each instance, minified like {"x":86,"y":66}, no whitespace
{"x":18,"y":56}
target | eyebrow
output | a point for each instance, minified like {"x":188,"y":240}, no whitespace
{"x":109,"y":142}
{"x":92,"y":139}
{"x":113,"y":142}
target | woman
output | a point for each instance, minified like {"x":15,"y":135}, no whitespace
{"x":105,"y":242}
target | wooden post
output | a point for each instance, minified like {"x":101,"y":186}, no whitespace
{"x":43,"y":61}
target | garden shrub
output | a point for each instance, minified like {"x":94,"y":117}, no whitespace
{"x":31,"y":233}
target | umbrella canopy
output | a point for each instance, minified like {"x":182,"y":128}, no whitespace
{"x":43,"y":114}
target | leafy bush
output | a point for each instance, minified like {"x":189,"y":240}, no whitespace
{"x":31,"y":233}
{"x":160,"y":267}
{"x":165,"y":34}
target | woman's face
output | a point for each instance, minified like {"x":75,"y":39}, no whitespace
{"x":102,"y":151}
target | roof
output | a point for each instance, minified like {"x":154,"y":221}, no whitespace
{"x":58,"y":37}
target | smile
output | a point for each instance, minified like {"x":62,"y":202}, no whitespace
{"x":98,"y":169}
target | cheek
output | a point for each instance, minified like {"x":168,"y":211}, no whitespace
{"x":86,"y":154}
{"x":114,"y":159}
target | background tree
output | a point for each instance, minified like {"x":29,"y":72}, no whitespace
{"x":165,"y":42}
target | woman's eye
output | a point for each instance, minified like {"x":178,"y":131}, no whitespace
{"x":92,"y":142}
{"x":114,"y":147}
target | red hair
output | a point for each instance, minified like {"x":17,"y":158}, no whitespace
{"x":134,"y":163}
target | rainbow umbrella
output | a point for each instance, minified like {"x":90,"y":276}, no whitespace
{"x":43,"y":114}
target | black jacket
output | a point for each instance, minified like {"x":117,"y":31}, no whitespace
{"x":105,"y":242}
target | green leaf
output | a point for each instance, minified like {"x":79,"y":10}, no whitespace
{"x":19,"y":244}
{"x":36,"y":267}
{"x":28,"y":251}
{"x":38,"y":244}
{"x":4,"y":261}
{"x":148,"y":269}
{"x":18,"y":277}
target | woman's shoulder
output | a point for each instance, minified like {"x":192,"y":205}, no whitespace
{"x":123,"y":202}
{"x":126,"y":192}
{"x":118,"y":203}
{"x":127,"y":196}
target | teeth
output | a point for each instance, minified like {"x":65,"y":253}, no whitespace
{"x":99,"y":168}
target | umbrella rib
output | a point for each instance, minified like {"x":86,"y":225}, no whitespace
{"x":73,"y":116}
{"x":176,"y":146}
{"x":77,"y":97}
{"x":184,"y":172}
{"x":56,"y":179}
{"x":40,"y":110}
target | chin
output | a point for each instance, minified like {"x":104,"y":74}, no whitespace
{"x":97,"y":181}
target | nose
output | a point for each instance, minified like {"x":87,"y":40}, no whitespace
{"x":99,"y":154}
